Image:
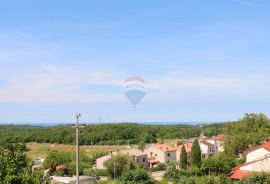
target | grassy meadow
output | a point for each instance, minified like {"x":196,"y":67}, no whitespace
{"x":42,"y":149}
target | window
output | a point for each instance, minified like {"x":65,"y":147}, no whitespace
{"x":168,"y":154}
{"x":143,"y":159}
{"x":137,"y":161}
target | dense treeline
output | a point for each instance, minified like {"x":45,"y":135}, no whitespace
{"x":249,"y":131}
{"x":122,"y":133}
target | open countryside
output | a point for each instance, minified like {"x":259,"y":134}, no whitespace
{"x":232,"y":152}
{"x":135,"y":92}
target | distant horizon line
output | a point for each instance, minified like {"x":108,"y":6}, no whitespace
{"x":120,"y":122}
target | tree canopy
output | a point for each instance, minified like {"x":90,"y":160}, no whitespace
{"x":119,"y":164}
{"x":16,"y":168}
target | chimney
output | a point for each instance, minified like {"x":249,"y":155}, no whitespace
{"x":162,"y":141}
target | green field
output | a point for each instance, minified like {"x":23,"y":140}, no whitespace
{"x":42,"y":149}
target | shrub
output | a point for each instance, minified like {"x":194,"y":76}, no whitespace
{"x":137,"y":176}
{"x":118,"y":164}
{"x":172,"y":174}
{"x":161,"y":166}
{"x":257,"y":179}
{"x":101,"y":172}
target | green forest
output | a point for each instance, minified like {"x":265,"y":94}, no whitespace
{"x":251,"y":130}
{"x":106,"y":133}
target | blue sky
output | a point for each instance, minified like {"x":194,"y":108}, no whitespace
{"x":203,"y":61}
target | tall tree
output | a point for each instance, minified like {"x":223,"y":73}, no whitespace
{"x":196,"y":154}
{"x":141,"y":146}
{"x":15,"y":167}
{"x":183,"y":158}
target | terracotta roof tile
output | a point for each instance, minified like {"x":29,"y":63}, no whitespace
{"x":165,"y":147}
{"x":265,"y":146}
{"x":238,"y":174}
{"x":219,"y":137}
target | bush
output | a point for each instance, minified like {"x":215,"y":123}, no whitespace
{"x":172,"y":174}
{"x":118,"y":164}
{"x":161,"y":166}
{"x":101,"y":172}
{"x":137,"y":176}
{"x":218,"y":164}
{"x":257,"y":179}
{"x":55,"y":158}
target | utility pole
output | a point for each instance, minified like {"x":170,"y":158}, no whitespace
{"x":114,"y":169}
{"x":77,"y":126}
{"x":77,"y":149}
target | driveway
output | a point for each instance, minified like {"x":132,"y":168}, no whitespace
{"x":158,"y":175}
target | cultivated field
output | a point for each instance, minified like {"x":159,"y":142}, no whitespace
{"x":42,"y":149}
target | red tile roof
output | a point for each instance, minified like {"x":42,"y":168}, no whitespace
{"x":265,"y":146}
{"x":60,"y":167}
{"x":219,"y":137}
{"x":187,"y":146}
{"x":165,"y":147}
{"x":238,"y":174}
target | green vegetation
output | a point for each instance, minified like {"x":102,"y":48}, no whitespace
{"x":141,"y":145}
{"x":136,"y":177}
{"x":196,"y":155}
{"x":16,"y":168}
{"x":66,"y":161}
{"x":256,"y":179}
{"x":118,"y":164}
{"x":105,"y":134}
{"x":239,"y":136}
{"x":249,"y":131}
{"x":183,"y":158}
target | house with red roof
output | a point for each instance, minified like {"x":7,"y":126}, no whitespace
{"x":160,"y":153}
{"x":257,"y":160}
{"x":179,"y":149}
{"x":137,"y":155}
{"x":219,"y":141}
{"x":257,"y":152}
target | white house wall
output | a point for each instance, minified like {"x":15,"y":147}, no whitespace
{"x":256,"y":154}
{"x":260,"y":166}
